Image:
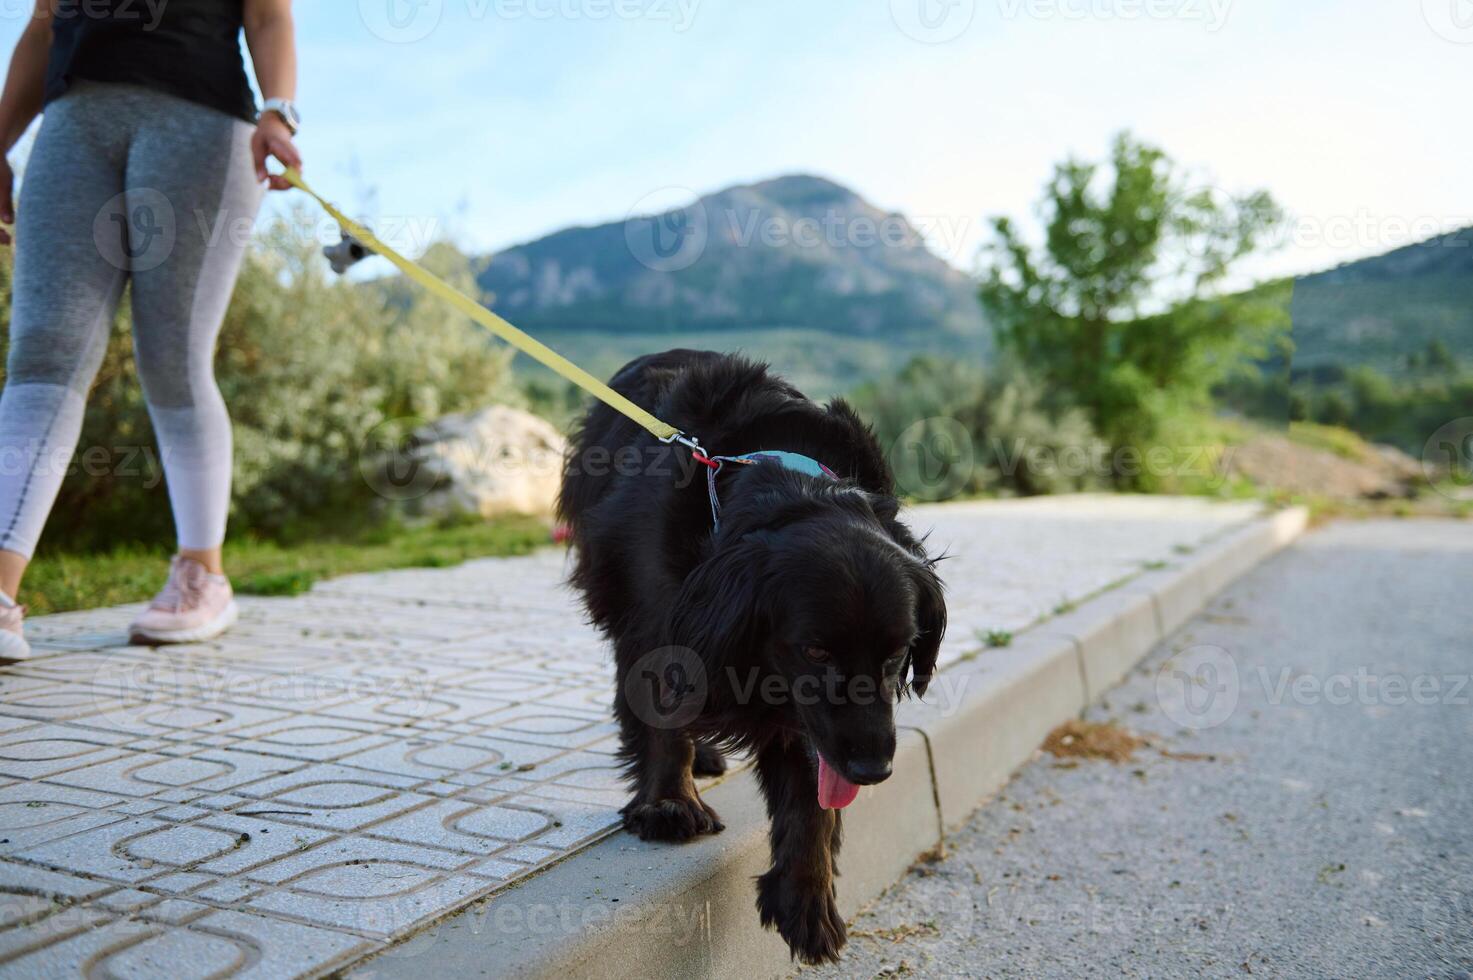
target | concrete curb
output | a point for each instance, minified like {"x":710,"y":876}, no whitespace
{"x":623,"y":908}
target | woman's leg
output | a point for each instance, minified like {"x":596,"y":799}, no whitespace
{"x":70,"y":265}
{"x":192,"y":166}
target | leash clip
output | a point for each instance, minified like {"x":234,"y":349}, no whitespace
{"x":346,"y":253}
{"x":697,"y":451}
{"x":689,"y":442}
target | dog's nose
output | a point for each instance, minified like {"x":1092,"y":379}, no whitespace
{"x":867,"y":772}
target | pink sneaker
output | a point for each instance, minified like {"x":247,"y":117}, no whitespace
{"x":13,"y":645}
{"x":194,"y":606}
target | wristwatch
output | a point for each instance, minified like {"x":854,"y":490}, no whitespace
{"x":287,"y":110}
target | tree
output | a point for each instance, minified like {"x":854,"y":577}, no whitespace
{"x":1121,"y":310}
{"x":1439,"y":357}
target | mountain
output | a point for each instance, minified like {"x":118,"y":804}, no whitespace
{"x":1379,"y":310}
{"x":832,"y":290}
{"x":798,"y":269}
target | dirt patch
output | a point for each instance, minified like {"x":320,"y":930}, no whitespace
{"x":1187,"y":756}
{"x":899,"y":933}
{"x":1076,"y":739}
{"x":1280,"y":463}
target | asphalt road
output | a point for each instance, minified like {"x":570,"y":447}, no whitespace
{"x":1303,"y":805}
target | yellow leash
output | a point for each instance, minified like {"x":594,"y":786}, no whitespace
{"x":500,"y":327}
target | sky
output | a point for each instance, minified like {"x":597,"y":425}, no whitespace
{"x":493,"y":122}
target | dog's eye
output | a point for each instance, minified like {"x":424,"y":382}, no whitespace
{"x":817,"y":654}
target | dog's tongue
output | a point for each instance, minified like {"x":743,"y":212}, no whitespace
{"x":834,"y":791}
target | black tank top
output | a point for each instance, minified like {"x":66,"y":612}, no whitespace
{"x":188,"y":48}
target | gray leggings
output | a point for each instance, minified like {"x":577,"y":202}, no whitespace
{"x":124,"y":184}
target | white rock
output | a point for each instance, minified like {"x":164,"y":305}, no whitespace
{"x":495,"y":461}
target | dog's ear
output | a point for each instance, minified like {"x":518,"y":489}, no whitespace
{"x":931,"y":623}
{"x":930,"y":598}
{"x":715,"y":611}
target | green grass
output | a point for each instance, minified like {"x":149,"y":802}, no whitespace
{"x":62,"y":582}
{"x":1432,"y":505}
{"x":1331,"y":439}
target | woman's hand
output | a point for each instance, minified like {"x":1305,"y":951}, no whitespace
{"x":273,"y":138}
{"x":7,"y":198}
{"x":21,"y":101}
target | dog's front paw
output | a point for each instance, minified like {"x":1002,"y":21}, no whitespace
{"x":676,"y":819}
{"x":803,"y":915}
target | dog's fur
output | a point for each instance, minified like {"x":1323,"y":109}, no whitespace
{"x":808,"y":585}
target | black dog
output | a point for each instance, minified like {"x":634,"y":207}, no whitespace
{"x":788,"y":630}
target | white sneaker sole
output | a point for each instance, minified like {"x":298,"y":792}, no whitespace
{"x":13,"y":646}
{"x":198,"y":634}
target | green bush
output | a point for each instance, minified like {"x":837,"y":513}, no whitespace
{"x":1025,"y":447}
{"x":993,"y":426}
{"x":317,"y":371}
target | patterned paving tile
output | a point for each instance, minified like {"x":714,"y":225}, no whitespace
{"x":347,"y":765}
{"x":179,"y":721}
{"x":36,"y":813}
{"x":459,"y":825}
{"x":436,"y":757}
{"x":52,"y":750}
{"x":312,"y":738}
{"x":48,"y":700}
{"x":182,"y":883}
{"x":283,"y":949}
{"x":128,"y":900}
{"x":572,"y":823}
{"x":21,"y":879}
{"x":218,"y":944}
{"x":41,"y":923}
{"x":177,"y":778}
{"x":378,"y":899}
{"x":9,"y":725}
{"x":326,"y":797}
{"x":431,"y":707}
{"x":101,"y":853}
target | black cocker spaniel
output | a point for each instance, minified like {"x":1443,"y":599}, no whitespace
{"x":776,"y":607}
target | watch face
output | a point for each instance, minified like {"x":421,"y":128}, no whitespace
{"x":287,"y":111}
